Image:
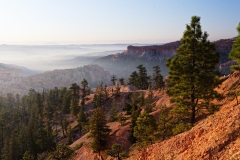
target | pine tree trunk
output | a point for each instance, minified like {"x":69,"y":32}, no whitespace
{"x":193,"y":110}
{"x":118,"y":156}
{"x":99,"y":155}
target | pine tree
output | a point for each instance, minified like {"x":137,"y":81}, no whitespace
{"x":158,"y":82}
{"x":74,"y":99}
{"x":192,"y":75}
{"x":133,"y":79}
{"x":74,"y":106}
{"x":113,"y":79}
{"x":98,"y":100}
{"x":10,"y":150}
{"x":145,"y":129}
{"x":63,"y":123}
{"x":62,"y":152}
{"x":66,"y":101}
{"x":141,"y":100}
{"x":164,"y":123}
{"x":24,"y":133}
{"x":113,"y":111}
{"x":121,"y":80}
{"x":75,"y":89}
{"x":81,"y":119}
{"x":31,"y":130}
{"x":99,"y":131}
{"x":81,"y":116}
{"x":135,"y":112}
{"x":48,"y":111}
{"x":99,"y":96}
{"x":235,"y":52}
{"x":84,"y":85}
{"x":49,"y":138}
{"x":149,"y":102}
{"x":27,"y":156}
{"x":39,"y":103}
{"x":142,"y":81}
{"x":116,"y":151}
{"x":69,"y":135}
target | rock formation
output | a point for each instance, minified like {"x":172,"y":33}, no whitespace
{"x":123,"y":64}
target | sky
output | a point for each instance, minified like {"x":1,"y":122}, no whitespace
{"x":112,"y":21}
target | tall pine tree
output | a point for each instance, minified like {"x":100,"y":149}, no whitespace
{"x":144,"y":130}
{"x":158,"y":82}
{"x":133,"y":79}
{"x":84,"y":91}
{"x":99,"y":130}
{"x":142,"y":77}
{"x":192,"y":75}
{"x":139,"y":79}
{"x":113,"y":79}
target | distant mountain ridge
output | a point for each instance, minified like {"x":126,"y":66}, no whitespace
{"x":223,"y":47}
{"x":16,"y":71}
{"x":124,"y":63}
{"x":94,"y":74}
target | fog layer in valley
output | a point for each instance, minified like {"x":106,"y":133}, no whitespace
{"x":50,"y":57}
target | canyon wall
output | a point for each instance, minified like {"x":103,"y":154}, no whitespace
{"x":123,"y":64}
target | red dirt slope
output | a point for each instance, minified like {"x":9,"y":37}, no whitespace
{"x":216,"y":137}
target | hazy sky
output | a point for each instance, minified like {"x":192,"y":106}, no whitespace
{"x":112,"y":21}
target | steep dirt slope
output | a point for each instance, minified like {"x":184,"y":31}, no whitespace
{"x":119,"y":133}
{"x":216,"y":137}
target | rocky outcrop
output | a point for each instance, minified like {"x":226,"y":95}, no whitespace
{"x":168,"y":49}
{"x":123,"y":64}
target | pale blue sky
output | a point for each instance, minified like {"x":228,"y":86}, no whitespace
{"x":112,"y":21}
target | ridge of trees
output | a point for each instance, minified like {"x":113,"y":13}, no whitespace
{"x":142,"y":81}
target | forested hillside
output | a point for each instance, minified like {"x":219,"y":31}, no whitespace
{"x":51,"y":79}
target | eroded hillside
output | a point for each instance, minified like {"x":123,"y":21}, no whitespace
{"x":216,"y":137}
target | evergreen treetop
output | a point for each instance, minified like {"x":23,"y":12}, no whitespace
{"x":139,"y":79}
{"x":158,"y":82}
{"x":133,"y":79}
{"x":113,"y":79}
{"x":84,"y":83}
{"x":75,"y":89}
{"x":99,"y":131}
{"x":145,"y":128}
